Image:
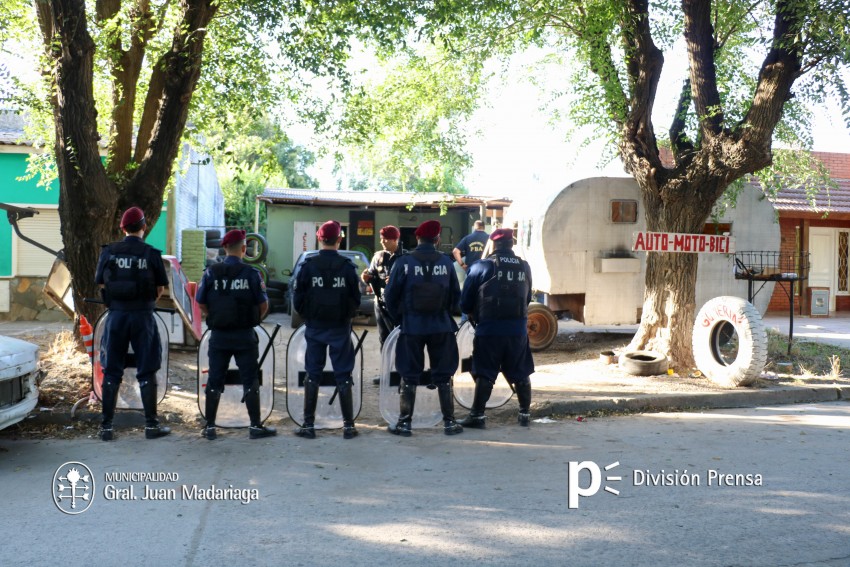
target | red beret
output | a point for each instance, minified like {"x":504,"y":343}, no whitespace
{"x":429,"y":229}
{"x":232,"y":237}
{"x":502,"y":234}
{"x":329,"y":231}
{"x":390,"y":232}
{"x":131,"y":216}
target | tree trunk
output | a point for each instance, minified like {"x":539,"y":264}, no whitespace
{"x":90,"y":202}
{"x":669,"y":309}
{"x":87,"y":197}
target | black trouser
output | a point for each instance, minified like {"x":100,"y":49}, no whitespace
{"x":384,"y":321}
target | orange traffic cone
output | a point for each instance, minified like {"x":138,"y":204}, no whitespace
{"x":88,"y":336}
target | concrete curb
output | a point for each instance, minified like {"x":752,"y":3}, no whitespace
{"x":677,"y":402}
{"x":576,"y":406}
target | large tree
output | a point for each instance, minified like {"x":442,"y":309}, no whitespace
{"x":125,"y":75}
{"x":728,"y":111}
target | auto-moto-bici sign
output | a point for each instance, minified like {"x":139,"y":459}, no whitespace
{"x":678,"y":242}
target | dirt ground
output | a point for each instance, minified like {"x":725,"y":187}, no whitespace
{"x":570,"y":367}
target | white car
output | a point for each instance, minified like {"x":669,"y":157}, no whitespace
{"x":18,"y":380}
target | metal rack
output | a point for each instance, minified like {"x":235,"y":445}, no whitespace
{"x":767,"y":266}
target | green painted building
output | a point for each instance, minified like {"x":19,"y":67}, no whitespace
{"x":293,"y":216}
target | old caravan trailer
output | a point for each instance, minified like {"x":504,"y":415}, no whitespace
{"x":579,"y":244}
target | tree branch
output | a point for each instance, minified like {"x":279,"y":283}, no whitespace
{"x":780,"y":69}
{"x":644,"y":62}
{"x":721,"y":39}
{"x":679,"y":141}
{"x":180,"y":68}
{"x":699,"y":37}
{"x":45,"y":22}
{"x":126,"y":66}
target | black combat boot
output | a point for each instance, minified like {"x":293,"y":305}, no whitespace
{"x":210,"y":409}
{"x":407,"y":399}
{"x":346,"y":404}
{"x":476,"y":418}
{"x":252,"y":404}
{"x":153,"y":430}
{"x":311,"y":398}
{"x":523,"y":395}
{"x":108,"y":399}
{"x":447,"y":406}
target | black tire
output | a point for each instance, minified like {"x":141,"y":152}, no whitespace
{"x":275,"y":293}
{"x":214,"y":243}
{"x":258,"y":249}
{"x":277,"y":284}
{"x":542,"y":327}
{"x":277,"y":308}
{"x":730,"y":341}
{"x":643,"y":363}
{"x":213,"y":234}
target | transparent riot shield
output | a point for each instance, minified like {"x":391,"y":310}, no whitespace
{"x":129,"y":396}
{"x":464,"y":385}
{"x":328,"y":416}
{"x":231,"y":410}
{"x":426,"y":410}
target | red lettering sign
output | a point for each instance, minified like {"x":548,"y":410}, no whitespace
{"x":678,"y":242}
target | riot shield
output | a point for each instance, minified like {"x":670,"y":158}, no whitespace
{"x":129,"y":396}
{"x":464,"y":385}
{"x":426,"y":410}
{"x":328,"y":416}
{"x":231,"y":410}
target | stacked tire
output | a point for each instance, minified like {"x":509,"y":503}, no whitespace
{"x":278,"y":296}
{"x":212,"y":242}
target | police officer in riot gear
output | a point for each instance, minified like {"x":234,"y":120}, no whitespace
{"x":423,"y":290}
{"x":327,"y":293}
{"x":233,"y":297}
{"x":495,"y":296}
{"x":131,"y":276}
{"x":378,"y":273}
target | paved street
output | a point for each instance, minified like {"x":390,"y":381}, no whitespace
{"x":494,"y":497}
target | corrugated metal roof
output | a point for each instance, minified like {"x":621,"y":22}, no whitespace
{"x":377,"y":198}
{"x":832,"y":200}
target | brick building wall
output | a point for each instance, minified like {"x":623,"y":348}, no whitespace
{"x":839,"y":168}
{"x":780,"y":300}
{"x":838,"y":164}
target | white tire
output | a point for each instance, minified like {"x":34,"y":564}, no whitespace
{"x":730,"y":341}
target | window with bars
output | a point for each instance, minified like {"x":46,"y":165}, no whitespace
{"x":842,"y":260}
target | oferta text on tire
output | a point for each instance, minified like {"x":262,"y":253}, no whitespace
{"x":730,"y":341}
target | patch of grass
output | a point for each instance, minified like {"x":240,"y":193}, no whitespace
{"x":807,"y":358}
{"x":67,"y":372}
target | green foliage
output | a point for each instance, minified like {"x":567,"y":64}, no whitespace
{"x":403,"y":128}
{"x":252,"y":153}
{"x":240,"y":184}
